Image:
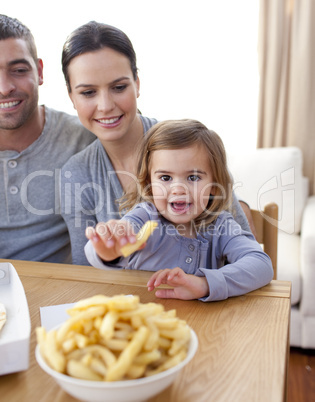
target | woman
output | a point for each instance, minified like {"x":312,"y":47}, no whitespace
{"x":99,"y":65}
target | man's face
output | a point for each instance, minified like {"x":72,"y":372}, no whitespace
{"x":20,"y":77}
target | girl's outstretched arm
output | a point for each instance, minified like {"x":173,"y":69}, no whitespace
{"x":183,"y":286}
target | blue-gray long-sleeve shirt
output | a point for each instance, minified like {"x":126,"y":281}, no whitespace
{"x":229,"y":257}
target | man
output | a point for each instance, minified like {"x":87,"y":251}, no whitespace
{"x":35,"y":142}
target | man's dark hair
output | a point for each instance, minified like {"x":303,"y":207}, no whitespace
{"x":13,"y":28}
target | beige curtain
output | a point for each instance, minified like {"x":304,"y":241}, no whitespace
{"x":286,"y":49}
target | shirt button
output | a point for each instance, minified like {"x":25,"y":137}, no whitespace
{"x":12,"y":164}
{"x":191,"y":247}
{"x":14,"y":190}
{"x":188,"y":260}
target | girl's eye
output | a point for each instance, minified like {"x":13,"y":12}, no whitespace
{"x":165,"y":177}
{"x":193,"y":177}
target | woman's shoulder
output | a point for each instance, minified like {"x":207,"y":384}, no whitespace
{"x":82,"y":158}
{"x":147,"y":122}
{"x":86,"y":165}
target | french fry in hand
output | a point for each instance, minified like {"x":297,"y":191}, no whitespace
{"x":142,"y":236}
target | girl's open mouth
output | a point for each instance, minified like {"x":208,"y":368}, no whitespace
{"x":180,"y":207}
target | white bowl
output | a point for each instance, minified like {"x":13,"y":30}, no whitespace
{"x":119,"y":391}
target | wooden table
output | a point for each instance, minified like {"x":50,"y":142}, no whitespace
{"x":243,"y":341}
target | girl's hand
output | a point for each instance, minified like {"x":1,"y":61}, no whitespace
{"x":184,"y":286}
{"x":108,"y":237}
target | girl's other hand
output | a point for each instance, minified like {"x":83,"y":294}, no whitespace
{"x":184,"y":286}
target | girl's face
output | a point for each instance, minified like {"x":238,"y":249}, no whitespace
{"x":104,"y":93}
{"x":181,"y":182}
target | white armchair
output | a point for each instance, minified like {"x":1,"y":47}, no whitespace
{"x":275,"y":174}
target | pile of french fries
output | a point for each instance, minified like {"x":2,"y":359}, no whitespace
{"x":115,"y":338}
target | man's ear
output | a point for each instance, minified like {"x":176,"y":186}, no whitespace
{"x":40,"y":69}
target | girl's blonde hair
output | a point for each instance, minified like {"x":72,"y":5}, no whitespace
{"x":178,"y":134}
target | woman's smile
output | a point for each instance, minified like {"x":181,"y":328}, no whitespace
{"x":110,"y":122}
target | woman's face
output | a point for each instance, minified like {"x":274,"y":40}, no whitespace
{"x":104,"y":93}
